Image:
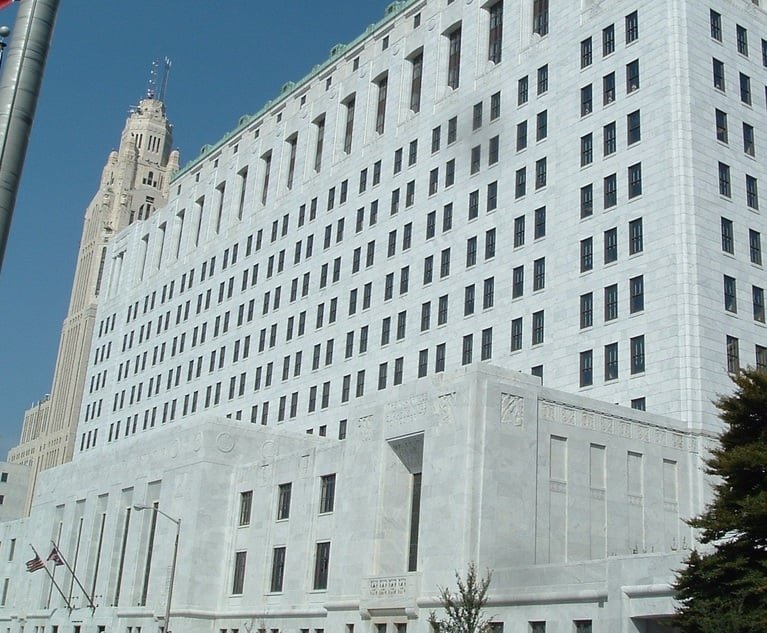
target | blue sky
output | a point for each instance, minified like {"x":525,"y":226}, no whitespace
{"x":229,"y":58}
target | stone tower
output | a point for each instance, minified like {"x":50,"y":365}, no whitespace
{"x":134,"y":183}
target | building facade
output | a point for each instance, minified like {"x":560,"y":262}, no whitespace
{"x":134,"y":183}
{"x":576,"y":506}
{"x":466,"y":193}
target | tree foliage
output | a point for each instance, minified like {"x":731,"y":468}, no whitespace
{"x":464,"y":609}
{"x":725,"y":590}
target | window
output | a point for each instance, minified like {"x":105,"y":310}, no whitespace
{"x":486,"y":352}
{"x":495,"y":36}
{"x":520,"y":182}
{"x":586,"y":100}
{"x":488,"y":293}
{"x":521,"y":135}
{"x":321,"y":565}
{"x":587,"y":310}
{"x":278,"y":569}
{"x":636,"y":294}
{"x":519,"y":231}
{"x":632,"y":76}
{"x":608,"y":89}
{"x":718,"y":68}
{"x":538,"y":323}
{"x":582,"y":626}
{"x":516,"y":334}
{"x":541,"y":125}
{"x":733,"y":355}
{"x":757,"y":295}
{"x":412,"y":154}
{"x":540,"y":223}
{"x":439,"y":361}
{"x":493,"y":150}
{"x":327,"y":493}
{"x":752,"y":193}
{"x":721,"y":126}
{"x":611,"y":302}
{"x":454,"y":58}
{"x":611,"y":361}
{"x":724,"y":180}
{"x":632,"y":27}
{"x":468,"y":300}
{"x":609,"y":139}
{"x":586,"y":53}
{"x":416,"y":70}
{"x":608,"y":40}
{"x":611,"y":245}
{"x":716,"y":25}
{"x":517,"y":282}
{"x":238,"y":580}
{"x":745,"y":88}
{"x":586,"y":370}
{"x":489,"y":244}
{"x":587,"y":254}
{"x":425,"y":316}
{"x":442,"y":310}
{"x":436,"y":138}
{"x":444,"y":263}
{"x":543,"y":79}
{"x":635,"y":180}
{"x":728,"y":242}
{"x":730,"y":294}
{"x":246,"y":504}
{"x":539,"y":274}
{"x":476,"y":159}
{"x":452,"y":130}
{"x":522,"y":90}
{"x":467,"y":349}
{"x":748,"y":139}
{"x":320,"y":125}
{"x":587,"y":201}
{"x":541,"y":17}
{"x":349,"y":127}
{"x":540,"y":173}
{"x":755,"y":247}
{"x":492,"y":196}
{"x":742,"y":39}
{"x":610,"y":191}
{"x":587,"y":150}
{"x":423,"y":363}
{"x":761,"y":357}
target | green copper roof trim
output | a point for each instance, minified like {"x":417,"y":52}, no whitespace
{"x":288,"y":88}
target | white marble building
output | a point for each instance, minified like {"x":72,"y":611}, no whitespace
{"x":489,"y":189}
{"x":574,"y":504}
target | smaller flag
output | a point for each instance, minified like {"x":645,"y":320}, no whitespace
{"x":6,"y":3}
{"x":35,"y":564}
{"x":55,"y":556}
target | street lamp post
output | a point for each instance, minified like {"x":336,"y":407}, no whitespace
{"x":139,"y":508}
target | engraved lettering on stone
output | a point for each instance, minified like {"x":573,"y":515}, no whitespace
{"x":548,"y":411}
{"x":512,"y":409}
{"x":568,"y":415}
{"x":407,"y":411}
{"x":587,"y":420}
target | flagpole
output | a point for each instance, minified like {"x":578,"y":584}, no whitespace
{"x":72,"y":571}
{"x":53,"y":580}
{"x":19,"y":89}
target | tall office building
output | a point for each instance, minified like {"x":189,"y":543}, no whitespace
{"x":466,"y":193}
{"x":134,"y":183}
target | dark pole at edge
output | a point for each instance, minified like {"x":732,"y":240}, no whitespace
{"x":19,"y":89}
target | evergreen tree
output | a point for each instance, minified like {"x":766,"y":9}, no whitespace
{"x":725,"y":590}
{"x":464,"y":609}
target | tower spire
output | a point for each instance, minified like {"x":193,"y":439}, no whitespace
{"x":158,"y":79}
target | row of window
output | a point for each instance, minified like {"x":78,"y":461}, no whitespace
{"x":731,"y":298}
{"x":741,"y":35}
{"x":754,"y":241}
{"x":611,"y":364}
{"x":608,"y":39}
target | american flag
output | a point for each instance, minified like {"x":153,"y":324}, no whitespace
{"x":6,"y":3}
{"x":35,"y":564}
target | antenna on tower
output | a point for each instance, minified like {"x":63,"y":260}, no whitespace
{"x":151,"y":89}
{"x":165,"y":75}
